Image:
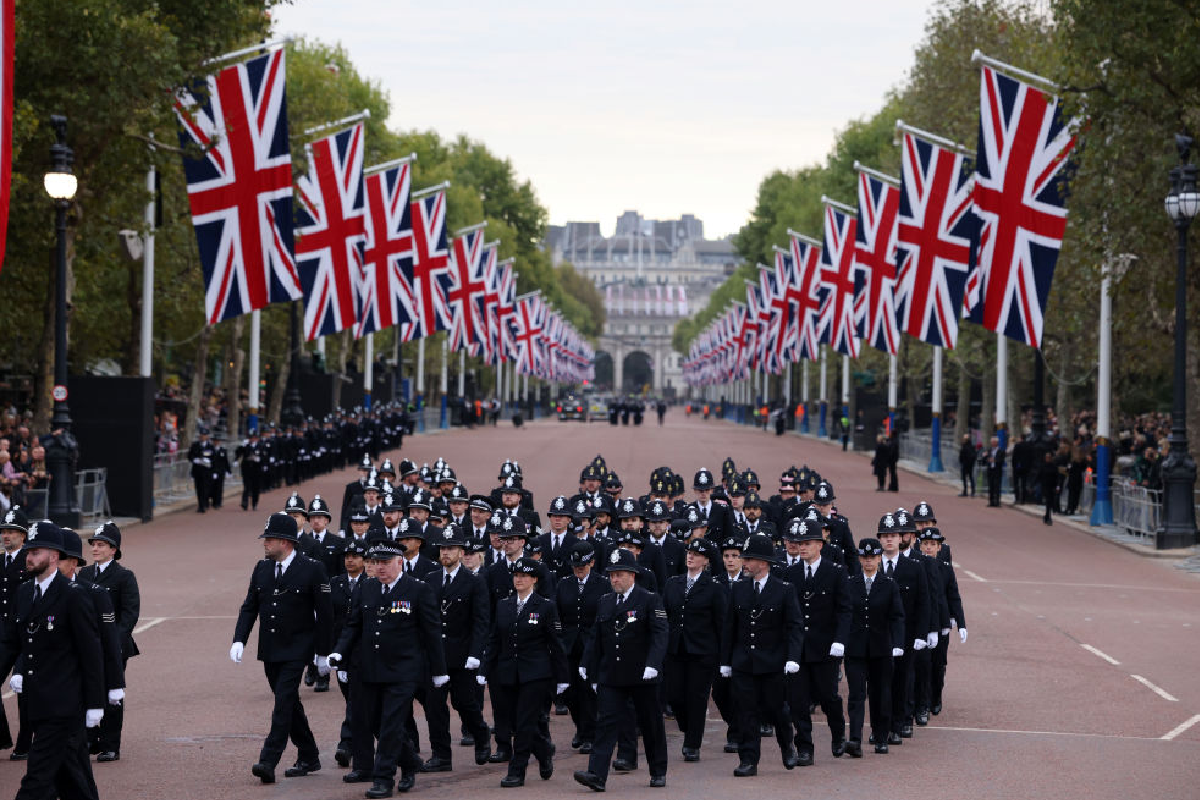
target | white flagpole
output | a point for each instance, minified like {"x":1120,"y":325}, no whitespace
{"x":255,"y":346}
{"x":1102,"y":510}
{"x":421,"y":372}
{"x":1002,"y":390}
{"x":444,"y":380}
{"x":804,"y":394}
{"x":845,"y":387}
{"x":822,"y":430}
{"x":892,"y":391}
{"x":368,"y":367}
{"x":147,"y":353}
{"x":462,"y":372}
{"x":935,"y":425}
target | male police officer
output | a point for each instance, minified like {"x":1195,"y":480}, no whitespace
{"x":578,"y":598}
{"x":201,"y":455}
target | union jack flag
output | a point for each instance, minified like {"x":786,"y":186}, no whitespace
{"x":240,"y":188}
{"x":1024,"y":144}
{"x":506,"y":309}
{"x":528,"y":321}
{"x":934,"y":235}
{"x":331,"y":221}
{"x":803,"y":293}
{"x":429,"y":273}
{"x":875,"y":263}
{"x":756,"y":313}
{"x":465,"y":294}
{"x":491,"y":302}
{"x":777,"y":341}
{"x":385,"y":295}
{"x":837,"y":282}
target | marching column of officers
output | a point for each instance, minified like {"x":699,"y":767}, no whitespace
{"x":434,"y":596}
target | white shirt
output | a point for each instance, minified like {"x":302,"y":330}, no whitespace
{"x":706,"y":508}
{"x":625,"y":595}
{"x":762,"y":583}
{"x":813,"y":566}
{"x":659,"y":541}
{"x":287,"y":562}
{"x":44,"y":583}
{"x":451,"y":574}
{"x":410,"y":564}
{"x":793,"y":561}
{"x":387,"y":587}
{"x":883,"y":565}
{"x":99,"y":567}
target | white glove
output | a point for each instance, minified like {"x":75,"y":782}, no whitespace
{"x":333,"y":658}
{"x":931,"y":640}
{"x":897,"y":652}
{"x":235,"y":652}
{"x":953,"y":622}
{"x":918,"y":644}
{"x":649,"y":674}
{"x":17,"y":682}
{"x":791,"y":668}
{"x":945,"y":632}
{"x":115,"y":696}
{"x":440,"y":680}
{"x":837,"y":649}
{"x":559,"y":688}
{"x":342,"y":676}
{"x":726,"y":672}
{"x":322,"y":663}
{"x":481,"y":680}
{"x":593,"y":687}
{"x":962,"y":637}
{"x":94,"y":715}
{"x":583,"y":673}
{"x":472,"y":663}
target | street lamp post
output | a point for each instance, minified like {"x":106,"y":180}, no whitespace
{"x":1178,"y":527}
{"x":61,"y":447}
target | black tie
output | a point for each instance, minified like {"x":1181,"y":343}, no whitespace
{"x":386,"y":589}
{"x":278,"y":571}
{"x":620,"y":599}
{"x":808,"y":572}
{"x":37,"y":592}
{"x":8,"y":559}
{"x":447,"y":582}
{"x":888,"y":571}
{"x":757,"y":588}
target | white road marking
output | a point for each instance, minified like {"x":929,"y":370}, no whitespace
{"x":1101,"y":654}
{"x":1178,"y":729}
{"x":148,"y":624}
{"x":1164,"y":695}
{"x":974,"y":576}
{"x":1044,"y":733}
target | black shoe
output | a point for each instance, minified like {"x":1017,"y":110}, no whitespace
{"x":467,"y":740}
{"x":790,"y":759}
{"x":575,"y":742}
{"x":691,"y":754}
{"x":341,"y":757}
{"x":935,"y":709}
{"x":838,"y":749}
{"x":546,"y":768}
{"x":585,"y":748}
{"x":745,"y":770}
{"x":805,"y":759}
{"x":310,"y":675}
{"x":589,"y":779}
{"x":107,"y":756}
{"x":658,"y":781}
{"x":407,"y":781}
{"x":731,"y":747}
{"x":502,"y":756}
{"x":380,"y":789}
{"x":301,"y":768}
{"x":893,"y":738}
{"x":322,"y":684}
{"x":482,"y":753}
{"x":264,"y":772}
{"x":621,"y":765}
{"x":766,"y":730}
{"x":436,"y":764}
{"x":560,"y":710}
{"x":871,"y":739}
{"x":906,"y":732}
{"x":881,"y":748}
{"x":357,"y":776}
{"x":922,"y":718}
{"x":853,"y":749}
{"x":511,"y":781}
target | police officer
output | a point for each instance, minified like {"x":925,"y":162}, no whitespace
{"x":353,"y":493}
{"x":54,"y":629}
{"x":719,"y":517}
{"x":412,"y":541}
{"x":577,"y":598}
{"x":876,"y":638}
{"x":121,"y":584}
{"x":913,"y":584}
{"x":13,"y":528}
{"x":658,"y":535}
{"x":342,"y":589}
{"x":624,"y":657}
{"x":201,"y":455}
{"x":726,"y":573}
{"x":762,"y":642}
{"x":931,"y":542}
{"x":250,"y":454}
{"x":696,"y":606}
{"x":557,"y":542}
{"x":394,"y":632}
{"x":837,"y":526}
{"x":320,"y":544}
{"x":220,"y":468}
{"x":463,"y":602}
{"x":825,"y":607}
{"x":939,"y":620}
{"x":289,"y":596}
{"x":525,"y":665}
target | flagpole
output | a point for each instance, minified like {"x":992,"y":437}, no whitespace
{"x":258,"y":48}
{"x":845,"y":394}
{"x":1102,"y":511}
{"x":421,"y":384}
{"x":1002,"y":390}
{"x":949,"y":144}
{"x":935,"y":425}
{"x":338,"y":123}
{"x":822,"y":431}
{"x":255,"y":345}
{"x":444,"y":382}
{"x":368,"y":368}
{"x":978,"y":57}
{"x":500,"y":382}
{"x":147,"y":351}
{"x":462,"y":373}
{"x":892,"y":396}
{"x":804,"y":427}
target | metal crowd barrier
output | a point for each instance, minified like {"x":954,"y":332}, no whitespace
{"x":173,"y":478}
{"x":91,"y":496}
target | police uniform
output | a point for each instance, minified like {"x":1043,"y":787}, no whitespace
{"x":953,"y":602}
{"x":696,"y":610}
{"x":12,"y":575}
{"x":220,"y":468}
{"x":913,"y":583}
{"x":557,"y":547}
{"x":939,"y":620}
{"x":577,"y":602}
{"x":250,"y":454}
{"x":201,"y":455}
{"x":719,"y":518}
{"x":325,"y":547}
{"x":342,"y":589}
{"x":876,"y":635}
{"x":624,"y":658}
{"x":295,"y":614}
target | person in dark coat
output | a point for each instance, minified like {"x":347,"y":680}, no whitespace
{"x":342,"y":589}
{"x":720,"y":518}
{"x":201,"y":455}
{"x":525,"y":664}
{"x":624,"y":659}
{"x":121,"y":584}
{"x":967,"y":455}
{"x":893,"y":458}
{"x":880,"y":462}
{"x":13,"y":529}
{"x":913,"y":583}
{"x":353,"y":494}
{"x":220,"y":468}
{"x":696,"y":606}
{"x":289,"y":596}
{"x":1047,"y":477}
{"x":557,"y":542}
{"x":577,"y":598}
{"x":250,"y":454}
{"x":876,"y":638}
{"x":931,"y":545}
{"x":762,"y":642}
{"x":994,"y":461}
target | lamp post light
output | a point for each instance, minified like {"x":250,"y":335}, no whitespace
{"x":1178,"y":527}
{"x":61,"y":447}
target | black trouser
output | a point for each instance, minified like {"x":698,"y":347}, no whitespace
{"x":881,"y":478}
{"x":689,"y":680}
{"x":580,"y":699}
{"x":722,"y":694}
{"x":346,"y":735}
{"x":627,"y":734}
{"x":966,"y":473}
{"x":24,"y":729}
{"x":816,"y":682}
{"x":1074,"y":489}
{"x":287,"y":718}
{"x":57,"y":758}
{"x":106,"y":737}
{"x":1020,"y":490}
{"x":202,"y":484}
{"x":611,"y":705}
{"x":902,"y":686}
{"x":461,"y":692}
{"x":216,"y":491}
{"x":503,"y":716}
{"x":385,"y":710}
{"x":995,"y":479}
{"x":251,"y":485}
{"x":755,"y":696}
{"x":893,"y":480}
{"x":522,"y":704}
{"x":869,"y":677}
{"x":937,"y":673}
{"x":922,"y":665}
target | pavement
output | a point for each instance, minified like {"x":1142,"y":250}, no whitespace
{"x":1078,"y":678}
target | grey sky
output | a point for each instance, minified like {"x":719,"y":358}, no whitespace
{"x":667,"y":107}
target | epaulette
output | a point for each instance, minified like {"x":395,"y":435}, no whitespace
{"x":324,"y":587}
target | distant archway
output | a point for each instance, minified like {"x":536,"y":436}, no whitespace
{"x":604,"y":368}
{"x":638,"y":372}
